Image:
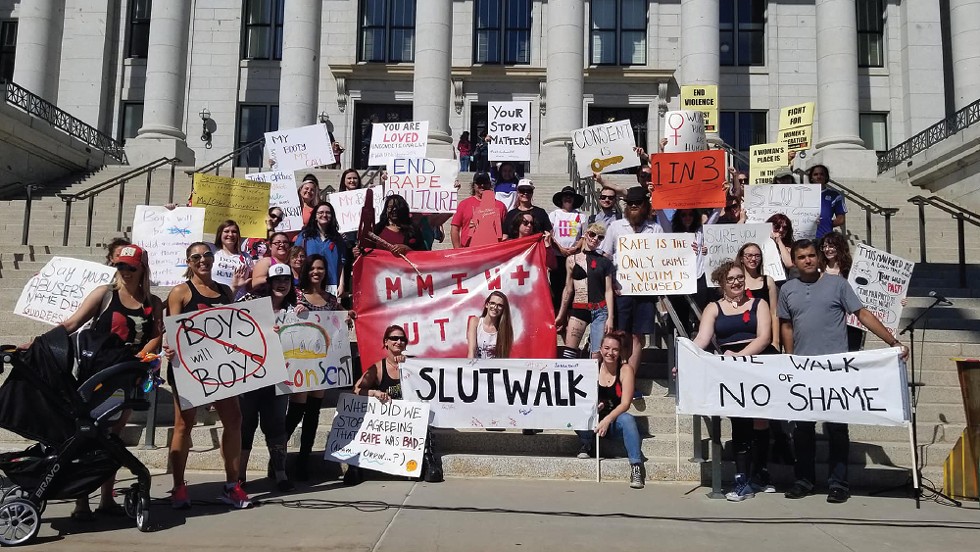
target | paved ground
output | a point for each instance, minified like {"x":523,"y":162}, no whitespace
{"x":503,"y":514}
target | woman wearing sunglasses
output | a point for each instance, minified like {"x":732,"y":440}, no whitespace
{"x":279,"y":246}
{"x":589,"y":291}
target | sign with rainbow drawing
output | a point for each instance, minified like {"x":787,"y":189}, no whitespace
{"x":316,"y":346}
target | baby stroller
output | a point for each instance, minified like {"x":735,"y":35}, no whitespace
{"x":76,"y":453}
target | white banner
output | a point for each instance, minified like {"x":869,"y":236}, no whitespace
{"x":510,"y":127}
{"x":347,"y":206}
{"x":867,"y":387}
{"x":56,"y":292}
{"x":282,"y":194}
{"x":165,"y":235}
{"x":428,"y":185}
{"x":504,"y":393}
{"x":881,"y":281}
{"x":316,"y":346}
{"x":224,"y":351}
{"x":724,"y":240}
{"x":300,"y":148}
{"x":603,"y":148}
{"x":656,"y":264}
{"x":406,"y":140}
{"x":684,"y":131}
{"x":387,"y":437}
{"x":799,"y":202}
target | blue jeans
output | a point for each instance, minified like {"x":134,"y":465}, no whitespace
{"x":623,"y":427}
{"x":464,"y":163}
{"x":598,"y":328}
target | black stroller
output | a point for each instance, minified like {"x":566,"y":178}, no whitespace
{"x":76,"y":453}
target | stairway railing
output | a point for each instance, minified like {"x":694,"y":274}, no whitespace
{"x":938,"y":132}
{"x":585,"y":186}
{"x":870,"y":208}
{"x":961,"y":215}
{"x":243,"y":152}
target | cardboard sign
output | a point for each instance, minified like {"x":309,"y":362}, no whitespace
{"x":867,"y":387}
{"x":486,"y":217}
{"x":724,"y":240}
{"x":428,"y":185}
{"x":881,"y":281}
{"x":797,"y":115}
{"x":300,"y":148}
{"x":224,"y":351}
{"x":223,"y":198}
{"x":688,"y":180}
{"x":796,"y":139}
{"x":684,"y":131}
{"x":799,"y":202}
{"x":347,"y":206}
{"x":567,"y":228}
{"x":56,"y":292}
{"x":501,"y":393}
{"x":406,"y":140}
{"x":705,"y":99}
{"x":656,"y":264}
{"x":605,"y":147}
{"x":316,"y":346}
{"x":225,"y":264}
{"x":165,"y":235}
{"x":383,"y":436}
{"x":510,"y":126}
{"x":282,"y":194}
{"x":764,"y":159}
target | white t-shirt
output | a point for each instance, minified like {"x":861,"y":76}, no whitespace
{"x":567,"y":227}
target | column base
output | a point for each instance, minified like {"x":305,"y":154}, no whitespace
{"x":140,"y":151}
{"x":553,"y":157}
{"x":846,"y":163}
{"x":440,"y":145}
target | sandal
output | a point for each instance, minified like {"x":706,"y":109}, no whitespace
{"x":84,"y":516}
{"x":111,"y":509}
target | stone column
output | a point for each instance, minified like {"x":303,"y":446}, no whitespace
{"x":432,"y":82}
{"x":162,"y":134}
{"x":39,"y":27}
{"x":300,"y":68}
{"x":565,"y":81}
{"x":700,"y":46}
{"x":964,"y":27}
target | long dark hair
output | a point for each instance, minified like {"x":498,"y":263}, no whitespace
{"x":304,"y":272}
{"x":343,"y":177}
{"x":187,"y":255}
{"x":677,"y":225}
{"x":312,"y":230}
{"x":780,"y":218}
{"x":844,"y":260}
{"x":740,"y":258}
{"x":505,"y":329}
{"x":404,"y":217}
{"x":515,"y":226}
{"x":221,"y":228}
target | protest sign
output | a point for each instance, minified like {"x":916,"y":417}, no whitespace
{"x":510,"y":127}
{"x":238,"y":199}
{"x":224,"y":351}
{"x":56,"y":292}
{"x":796,"y":126}
{"x":316,"y":347}
{"x":656,"y":264}
{"x":705,"y":99}
{"x":435,"y":307}
{"x":428,"y":185}
{"x":282,"y":194}
{"x":347,"y":206}
{"x":724,"y":240}
{"x":799,"y":202}
{"x":764,"y":159}
{"x":502,"y":393}
{"x":567,"y":227}
{"x":383,"y":436}
{"x":881,"y":281}
{"x":226,"y":264}
{"x":688,"y":180}
{"x":684,"y":131}
{"x":300,"y":148}
{"x":867,"y":387}
{"x":165,"y":235}
{"x":404,"y":140}
{"x":796,"y":139}
{"x":605,"y":147}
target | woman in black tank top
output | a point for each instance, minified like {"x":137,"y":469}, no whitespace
{"x":757,"y":284}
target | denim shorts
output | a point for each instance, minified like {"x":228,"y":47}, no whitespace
{"x":598,"y":328}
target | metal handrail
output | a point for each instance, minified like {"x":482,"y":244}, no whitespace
{"x":732,"y":151}
{"x":31,"y":103}
{"x":960,"y":214}
{"x":870,"y":208}
{"x":938,"y":132}
{"x":230,"y":156}
{"x":583,"y":186}
{"x":119,"y":182}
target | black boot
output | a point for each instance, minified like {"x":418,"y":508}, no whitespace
{"x":311,"y":420}
{"x":293,"y":416}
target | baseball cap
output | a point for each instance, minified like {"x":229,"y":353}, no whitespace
{"x":131,"y":255}
{"x":525,"y":183}
{"x":280,"y":269}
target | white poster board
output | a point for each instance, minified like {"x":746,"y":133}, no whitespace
{"x":58,"y":289}
{"x":605,"y":147}
{"x":316,"y":346}
{"x":867,"y":387}
{"x":282,"y":194}
{"x":300,"y":148}
{"x":656,"y":264}
{"x":405,"y":140}
{"x":347,"y":206}
{"x":510,"y":127}
{"x":165,"y":235}
{"x":684,"y":131}
{"x":881,"y":281}
{"x":724,"y":240}
{"x":383,"y":436}
{"x":224,"y":351}
{"x":799,"y":202}
{"x":504,"y":393}
{"x":428,"y":185}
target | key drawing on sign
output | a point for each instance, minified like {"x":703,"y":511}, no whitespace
{"x":599,"y":164}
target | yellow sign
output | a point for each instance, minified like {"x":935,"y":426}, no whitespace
{"x":244,"y":201}
{"x":798,"y":139}
{"x":796,"y":115}
{"x":702,"y":98}
{"x":764,"y":159}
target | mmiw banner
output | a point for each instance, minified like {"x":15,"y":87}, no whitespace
{"x":501,"y":393}
{"x":867,"y":387}
{"x":434,"y":307}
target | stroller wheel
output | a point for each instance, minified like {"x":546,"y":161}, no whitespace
{"x":143,"y":515}
{"x":17,"y":492}
{"x":131,"y":501}
{"x":19,"y":522}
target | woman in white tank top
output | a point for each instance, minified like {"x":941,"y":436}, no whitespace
{"x":491,"y":335}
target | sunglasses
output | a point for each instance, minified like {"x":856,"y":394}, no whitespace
{"x":636,"y":203}
{"x":401,"y":338}
{"x":280,"y":243}
{"x":595,"y":235}
{"x":526,"y":192}
{"x":125,"y":267}
{"x":196,"y":257}
{"x":743,"y":179}
{"x":527,"y":222}
{"x":607,"y":197}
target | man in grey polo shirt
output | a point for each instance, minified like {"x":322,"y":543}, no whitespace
{"x":812,"y":312}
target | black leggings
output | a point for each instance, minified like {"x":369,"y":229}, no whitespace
{"x":751,"y":445}
{"x":262,"y":406}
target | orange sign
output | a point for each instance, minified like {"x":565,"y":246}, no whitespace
{"x":688,"y":180}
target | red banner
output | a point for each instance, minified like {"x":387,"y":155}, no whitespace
{"x":688,"y":180}
{"x":434,"y":308}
